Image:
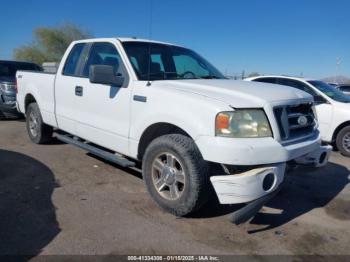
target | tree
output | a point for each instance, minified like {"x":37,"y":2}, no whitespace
{"x":50,"y":43}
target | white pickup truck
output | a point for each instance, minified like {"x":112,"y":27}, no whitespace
{"x":162,"y":105}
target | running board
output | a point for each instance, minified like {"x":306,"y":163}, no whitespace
{"x":97,"y":151}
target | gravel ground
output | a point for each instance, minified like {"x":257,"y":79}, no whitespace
{"x":56,"y":199}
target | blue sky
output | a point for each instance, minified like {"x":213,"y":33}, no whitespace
{"x":267,"y":36}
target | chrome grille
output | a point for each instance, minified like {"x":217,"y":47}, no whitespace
{"x":8,"y":87}
{"x":295,"y":121}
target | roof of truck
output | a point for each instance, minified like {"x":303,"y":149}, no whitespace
{"x":125,"y":39}
{"x":135,"y":39}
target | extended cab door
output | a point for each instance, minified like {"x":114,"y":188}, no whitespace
{"x":102,"y":112}
{"x":67,"y":79}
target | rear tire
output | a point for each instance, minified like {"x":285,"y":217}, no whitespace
{"x":38,"y":131}
{"x":343,"y":141}
{"x":176,"y":175}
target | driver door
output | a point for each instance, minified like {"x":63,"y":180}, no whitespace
{"x":104,"y":111}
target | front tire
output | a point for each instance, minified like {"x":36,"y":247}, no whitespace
{"x":38,"y":131}
{"x":343,"y":141}
{"x":176,"y":175}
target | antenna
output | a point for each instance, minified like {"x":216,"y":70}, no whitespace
{"x":149,"y":43}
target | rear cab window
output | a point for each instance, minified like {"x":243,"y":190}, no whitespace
{"x":71,"y":67}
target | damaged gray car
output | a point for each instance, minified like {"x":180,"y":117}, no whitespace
{"x":8,"y":87}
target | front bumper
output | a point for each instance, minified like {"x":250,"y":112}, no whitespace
{"x":8,"y":104}
{"x":248,"y":186}
{"x":259,"y":182}
{"x":254,"y":151}
{"x":317,"y":158}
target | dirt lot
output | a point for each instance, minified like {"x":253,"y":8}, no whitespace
{"x":56,"y":199}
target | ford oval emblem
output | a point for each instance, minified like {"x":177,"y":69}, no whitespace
{"x":302,"y":120}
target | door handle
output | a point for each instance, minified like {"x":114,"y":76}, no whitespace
{"x":79,"y":91}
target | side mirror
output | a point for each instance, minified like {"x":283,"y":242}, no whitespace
{"x":104,"y":74}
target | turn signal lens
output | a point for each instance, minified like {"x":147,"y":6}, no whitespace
{"x":222,"y":121}
{"x":242,"y":123}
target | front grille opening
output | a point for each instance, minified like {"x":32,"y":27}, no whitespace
{"x":295,"y":121}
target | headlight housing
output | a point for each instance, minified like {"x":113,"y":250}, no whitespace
{"x":243,"y":123}
{"x":7,"y":87}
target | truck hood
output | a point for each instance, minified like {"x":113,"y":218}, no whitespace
{"x":238,"y":94}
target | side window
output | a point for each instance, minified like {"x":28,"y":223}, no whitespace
{"x":270,"y":80}
{"x":297,"y":84}
{"x":103,"y":54}
{"x":71,"y":65}
{"x":344,"y":88}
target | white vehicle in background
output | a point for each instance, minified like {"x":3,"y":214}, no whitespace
{"x":166,"y":107}
{"x":332,"y":107}
{"x":344,"y":88}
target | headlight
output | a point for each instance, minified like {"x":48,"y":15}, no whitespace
{"x":7,"y":88}
{"x":243,"y":123}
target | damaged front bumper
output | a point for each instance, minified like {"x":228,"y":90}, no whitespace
{"x":259,"y":182}
{"x":248,"y":186}
{"x":317,"y":158}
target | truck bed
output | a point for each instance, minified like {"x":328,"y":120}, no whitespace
{"x":41,"y":86}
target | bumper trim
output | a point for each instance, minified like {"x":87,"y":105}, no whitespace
{"x":248,"y":186}
{"x":317,"y":158}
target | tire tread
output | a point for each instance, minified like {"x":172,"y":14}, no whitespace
{"x":45,"y":134}
{"x":339,"y":138}
{"x":198,"y":170}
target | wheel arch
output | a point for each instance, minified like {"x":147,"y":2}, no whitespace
{"x":29,"y":98}
{"x":154,"y":131}
{"x":337,"y":130}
